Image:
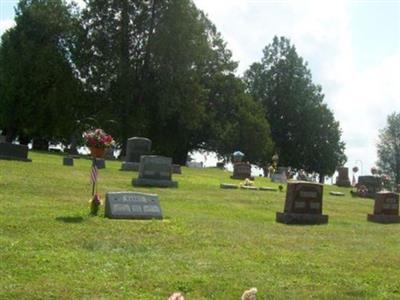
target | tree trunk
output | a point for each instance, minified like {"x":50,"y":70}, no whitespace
{"x":322,"y":178}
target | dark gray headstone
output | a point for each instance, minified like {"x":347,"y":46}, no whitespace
{"x":100,"y":163}
{"x":14,"y":152}
{"x":242,"y":170}
{"x":176,"y":169}
{"x":135,"y":148}
{"x":68,"y":161}
{"x":155,"y":171}
{"x":132,"y":205}
{"x":280,"y":175}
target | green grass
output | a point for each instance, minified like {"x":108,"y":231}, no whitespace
{"x":212,"y":243}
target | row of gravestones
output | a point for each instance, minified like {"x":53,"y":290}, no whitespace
{"x":303,"y":205}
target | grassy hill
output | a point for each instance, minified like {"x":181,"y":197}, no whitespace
{"x":212,"y":243}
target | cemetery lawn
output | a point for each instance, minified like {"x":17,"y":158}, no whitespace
{"x":212,"y":243}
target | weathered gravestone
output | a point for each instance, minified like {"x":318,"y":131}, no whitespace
{"x":194,"y":164}
{"x":373,"y":185}
{"x":135,"y":148}
{"x":303,"y":204}
{"x":280,"y":175}
{"x":10,"y":151}
{"x":68,"y":161}
{"x":343,"y":177}
{"x":386,"y":208}
{"x":242,"y":170}
{"x":100,"y":163}
{"x":176,"y":169}
{"x":132,"y":205}
{"x":155,"y":171}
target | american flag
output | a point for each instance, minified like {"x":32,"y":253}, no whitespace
{"x":93,"y":174}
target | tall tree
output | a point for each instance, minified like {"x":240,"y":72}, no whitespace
{"x":39,"y":93}
{"x":304,"y":130}
{"x":389,"y":148}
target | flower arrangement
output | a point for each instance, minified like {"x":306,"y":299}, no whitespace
{"x":95,"y":203}
{"x":97,"y":138}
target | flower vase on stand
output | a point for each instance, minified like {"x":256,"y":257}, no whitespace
{"x":97,"y":152}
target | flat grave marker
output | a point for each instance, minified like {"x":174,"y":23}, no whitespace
{"x":132,"y":205}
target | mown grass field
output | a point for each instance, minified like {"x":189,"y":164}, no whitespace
{"x":212,"y":243}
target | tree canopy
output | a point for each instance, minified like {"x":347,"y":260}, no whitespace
{"x":303,"y":128}
{"x":389,"y":148}
{"x":39,"y":94}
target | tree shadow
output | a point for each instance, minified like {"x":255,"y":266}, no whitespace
{"x":68,"y":219}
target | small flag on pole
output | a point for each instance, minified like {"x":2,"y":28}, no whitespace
{"x":93,"y":174}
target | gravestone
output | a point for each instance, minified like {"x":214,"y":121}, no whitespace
{"x":228,"y":186}
{"x":176,"y":169}
{"x":135,"y":148}
{"x":303,"y":204}
{"x":343,"y":177}
{"x":132,"y":205}
{"x":194,"y":164}
{"x":386,"y":208}
{"x":372,"y":183}
{"x":10,"y":151}
{"x":280,"y":175}
{"x":109,"y":154}
{"x":100,"y":163}
{"x":2,"y":138}
{"x":68,"y":161}
{"x":242,"y":170}
{"x":155,"y":171}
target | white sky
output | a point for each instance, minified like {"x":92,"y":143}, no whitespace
{"x":352,"y":47}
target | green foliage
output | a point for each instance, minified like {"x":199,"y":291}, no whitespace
{"x":39,"y":93}
{"x":389,"y":148}
{"x":304,"y":130}
{"x":212,"y":243}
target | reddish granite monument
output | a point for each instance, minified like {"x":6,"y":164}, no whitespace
{"x":386,"y":208}
{"x":343,"y":177}
{"x":303,"y":204}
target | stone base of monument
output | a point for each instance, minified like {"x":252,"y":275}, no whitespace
{"x":14,"y":152}
{"x":386,"y":219}
{"x":154,"y":182}
{"x":129,"y":166}
{"x":296,"y":218}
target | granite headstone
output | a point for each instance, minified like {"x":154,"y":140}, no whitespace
{"x":280,"y":175}
{"x":303,"y":204}
{"x":372,"y":183}
{"x":68,"y":161}
{"x":343,"y":177}
{"x":155,"y":171}
{"x":386,"y":208}
{"x":135,"y":148}
{"x":10,"y":151}
{"x":132,"y":205}
{"x":242,"y":170}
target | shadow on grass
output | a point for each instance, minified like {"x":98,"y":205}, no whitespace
{"x":77,"y":219}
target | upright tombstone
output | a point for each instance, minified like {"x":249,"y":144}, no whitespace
{"x":373,"y":185}
{"x":10,"y":151}
{"x":155,"y":171}
{"x":135,"y":148}
{"x":68,"y":161}
{"x":386,"y":208}
{"x":242,"y":170}
{"x":109,"y":154}
{"x":303,"y":204}
{"x":100,"y":163}
{"x":280,"y":175}
{"x":132,"y":205}
{"x":343,"y":177}
{"x":176,"y":169}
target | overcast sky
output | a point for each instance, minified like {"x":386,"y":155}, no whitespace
{"x":352,"y":47}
